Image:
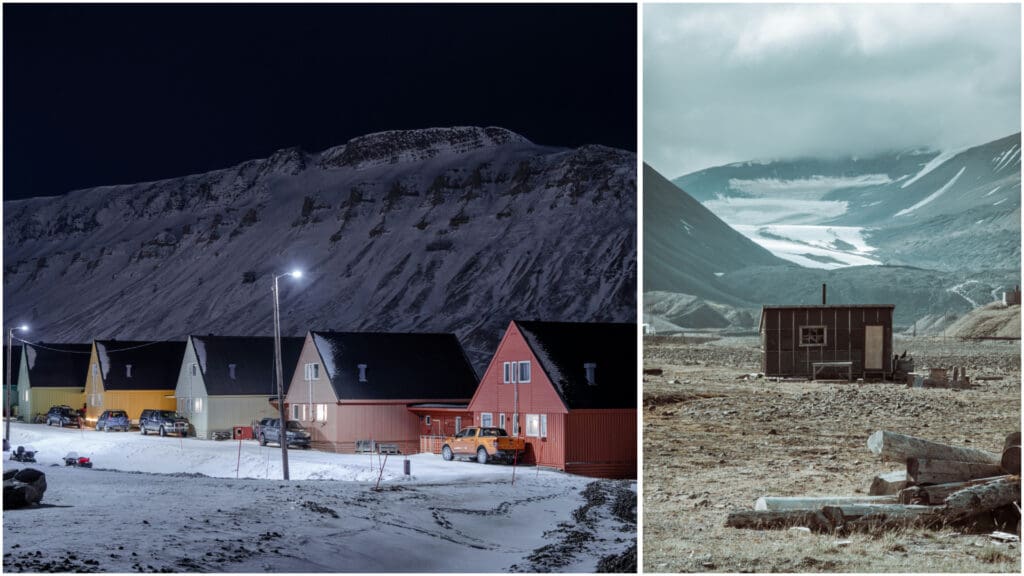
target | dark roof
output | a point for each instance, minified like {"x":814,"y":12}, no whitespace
{"x":57,"y":365}
{"x":760,"y":323}
{"x":15,"y":363}
{"x":253,"y":358}
{"x":155,"y":365}
{"x":562,"y":348}
{"x":399,"y":366}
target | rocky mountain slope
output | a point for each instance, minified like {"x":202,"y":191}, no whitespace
{"x":446,"y":229}
{"x":953,"y":210}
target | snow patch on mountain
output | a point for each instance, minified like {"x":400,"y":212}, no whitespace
{"x":934,"y":163}
{"x":761,"y":211}
{"x":826,"y":247}
{"x":813,"y":187}
{"x":933,"y":195}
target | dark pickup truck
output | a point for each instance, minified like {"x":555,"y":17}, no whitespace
{"x":269,"y":430}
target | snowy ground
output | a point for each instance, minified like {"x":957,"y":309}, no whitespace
{"x":170,"y":504}
{"x":813,"y":246}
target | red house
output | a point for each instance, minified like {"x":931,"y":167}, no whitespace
{"x":359,"y":390}
{"x":569,"y":389}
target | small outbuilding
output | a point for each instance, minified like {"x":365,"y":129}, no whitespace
{"x":569,"y":388}
{"x":131,"y":376}
{"x":229,"y":381}
{"x":365,"y":390}
{"x":846,"y":340}
{"x":51,"y":375}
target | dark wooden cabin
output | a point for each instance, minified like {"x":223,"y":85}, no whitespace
{"x":850,"y":340}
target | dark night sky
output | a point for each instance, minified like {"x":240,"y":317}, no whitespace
{"x":115,"y":94}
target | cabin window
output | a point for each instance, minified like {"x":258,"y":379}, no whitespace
{"x":524,"y":371}
{"x":458,"y":424}
{"x":197,"y":405}
{"x":362,"y":372}
{"x":195,"y":369}
{"x":515,"y":424}
{"x":533,"y":425}
{"x":312,"y":371}
{"x":321,"y":412}
{"x":812,"y":336}
{"x":591,"y":369}
{"x":507,"y":369}
{"x":486,"y":420}
{"x":128,"y":370}
{"x":26,"y":395}
{"x":426,"y":420}
{"x":543,"y":425}
{"x":297,"y":411}
{"x":501,"y":420}
{"x":95,"y":370}
{"x":231,"y":371}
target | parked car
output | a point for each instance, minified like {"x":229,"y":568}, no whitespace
{"x":113,"y":420}
{"x":269,"y":430}
{"x":163,"y":422}
{"x":63,"y":416}
{"x":484,"y":444}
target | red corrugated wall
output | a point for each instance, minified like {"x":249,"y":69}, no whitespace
{"x":601,"y":443}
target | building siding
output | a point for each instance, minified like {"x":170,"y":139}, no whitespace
{"x":601,"y":443}
{"x":40,"y":400}
{"x":390,"y":423}
{"x":223,"y":413}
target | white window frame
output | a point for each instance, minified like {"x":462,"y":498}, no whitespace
{"x":427,"y":421}
{"x":501,"y":420}
{"x":515,"y":424}
{"x":808,"y":341}
{"x":26,"y":395}
{"x":543,"y":425}
{"x":533,"y":425}
{"x":486,"y":420}
{"x":312,"y":371}
{"x":197,"y":405}
{"x":295,"y":411}
{"x":458,"y":424}
{"x":321,"y":412}
{"x":524,"y":364}
{"x":506,"y":371}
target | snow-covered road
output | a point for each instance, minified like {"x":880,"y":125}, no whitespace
{"x":156,"y":503}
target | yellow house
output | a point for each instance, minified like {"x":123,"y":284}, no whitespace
{"x":131,"y":376}
{"x":51,"y":375}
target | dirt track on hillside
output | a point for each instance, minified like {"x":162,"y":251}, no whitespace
{"x":714,"y":443}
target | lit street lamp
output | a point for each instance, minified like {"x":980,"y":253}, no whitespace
{"x":7,"y":404}
{"x":283,"y":434}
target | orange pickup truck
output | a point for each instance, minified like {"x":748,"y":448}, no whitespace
{"x":483,"y":444}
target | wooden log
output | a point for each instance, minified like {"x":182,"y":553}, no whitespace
{"x":895,"y":447}
{"x":888,"y":483}
{"x":982,"y":497}
{"x":814,"y":502}
{"x":935,"y":494}
{"x":772,"y":519}
{"x":930,"y":471}
{"x":875,"y":517}
{"x":1011,"y":454}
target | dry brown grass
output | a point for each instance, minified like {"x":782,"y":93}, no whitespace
{"x":713,"y":443}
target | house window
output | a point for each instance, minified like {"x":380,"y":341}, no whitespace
{"x":231,"y":371}
{"x":197,"y":405}
{"x":543,"y":425}
{"x":486,"y":420}
{"x":507,"y":372}
{"x":426,"y":420}
{"x":533,"y":425}
{"x":321,"y":412}
{"x":501,"y":420}
{"x":515,"y":424}
{"x":195,"y":368}
{"x":26,"y":395}
{"x":95,"y":370}
{"x":362,"y":372}
{"x":295,"y":409}
{"x":128,"y":370}
{"x":458,"y":424}
{"x":524,"y":372}
{"x":312,"y":371}
{"x":591,"y":369}
{"x":812,"y":336}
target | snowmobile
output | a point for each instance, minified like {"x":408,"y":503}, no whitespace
{"x":23,"y":454}
{"x":73,"y":459}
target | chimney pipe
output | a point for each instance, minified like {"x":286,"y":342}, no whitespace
{"x":823,"y":302}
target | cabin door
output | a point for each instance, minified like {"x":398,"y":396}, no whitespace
{"x":873,"y":339}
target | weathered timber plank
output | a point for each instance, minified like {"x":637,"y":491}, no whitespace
{"x":888,"y":483}
{"x":982,"y":497}
{"x":813,"y":502}
{"x":769,"y":519}
{"x":935,"y":494}
{"x":1010,"y":460}
{"x":931,"y":471}
{"x":895,"y":447}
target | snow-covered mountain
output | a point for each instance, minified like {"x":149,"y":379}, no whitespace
{"x":453,"y":229}
{"x":951,"y":210}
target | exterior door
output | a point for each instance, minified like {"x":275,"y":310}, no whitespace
{"x":873,"y":341}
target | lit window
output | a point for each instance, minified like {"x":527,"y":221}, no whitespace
{"x":524,"y":372}
{"x":812,"y":336}
{"x":197,"y":405}
{"x":321,"y":412}
{"x":533,"y":425}
{"x":486,"y":420}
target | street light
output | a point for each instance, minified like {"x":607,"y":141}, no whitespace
{"x":7,"y":410}
{"x":283,"y":437}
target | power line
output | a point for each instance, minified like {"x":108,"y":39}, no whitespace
{"x":37,"y":345}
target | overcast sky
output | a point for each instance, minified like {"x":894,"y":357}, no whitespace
{"x":726,"y":83}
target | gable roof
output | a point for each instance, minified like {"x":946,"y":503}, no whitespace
{"x":562,"y":348}
{"x":400,"y":366}
{"x":57,"y":365}
{"x":253,"y":357}
{"x":155,"y":365}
